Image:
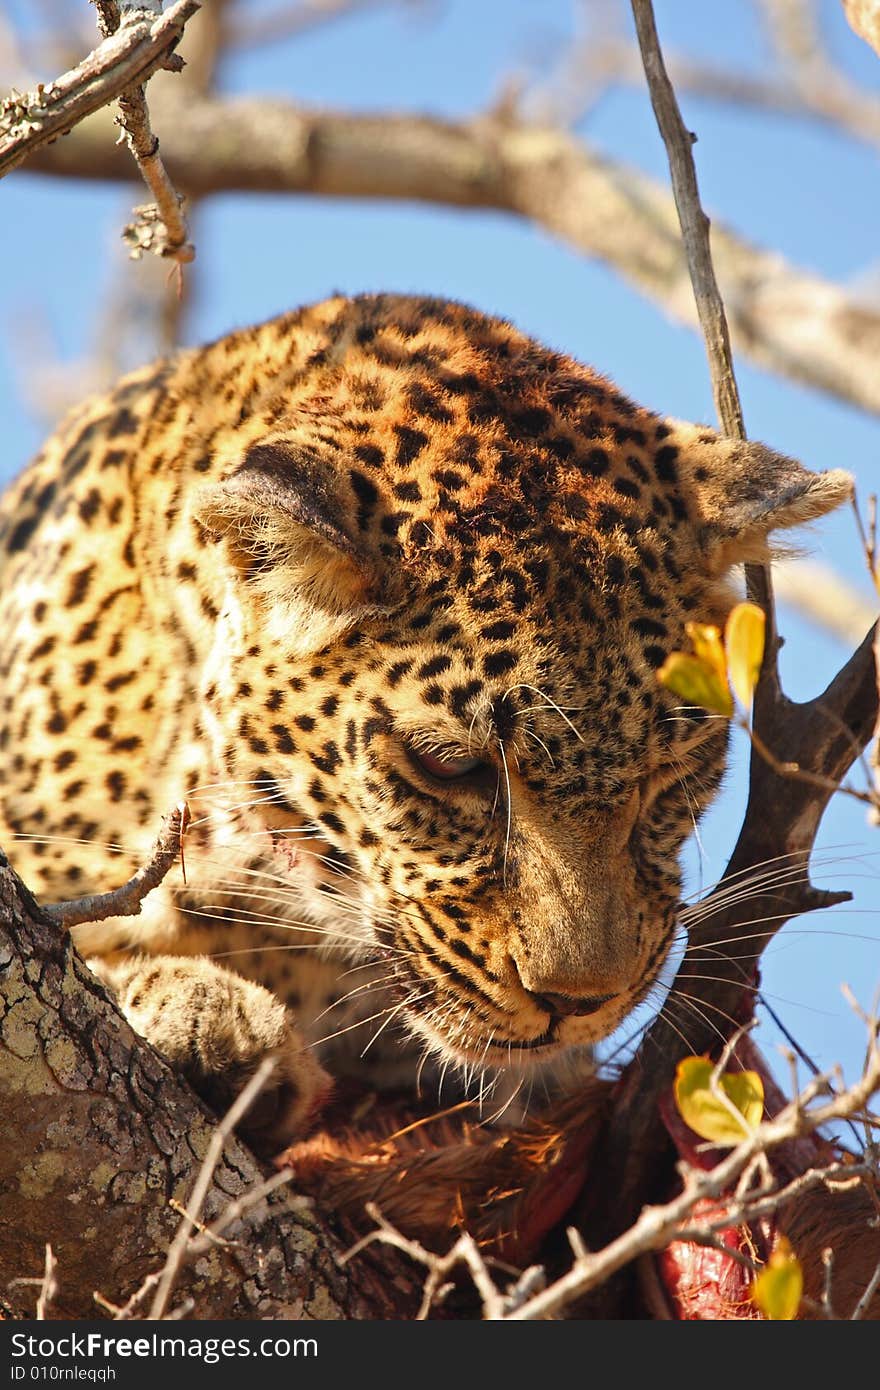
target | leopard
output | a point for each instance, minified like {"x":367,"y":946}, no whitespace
{"x":379,"y":590}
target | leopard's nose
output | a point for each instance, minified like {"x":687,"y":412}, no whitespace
{"x":565,"y":1006}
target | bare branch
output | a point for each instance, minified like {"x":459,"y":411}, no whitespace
{"x":224,"y":1129}
{"x":785,"y":319}
{"x":126,"y":900}
{"x":694,"y":224}
{"x":125,"y":59}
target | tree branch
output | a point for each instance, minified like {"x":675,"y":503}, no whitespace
{"x":785,"y":319}
{"x":124,"y":59}
{"x":106,"y":1135}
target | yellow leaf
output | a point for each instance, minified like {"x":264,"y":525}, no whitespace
{"x":744,"y":644}
{"x":706,"y":639}
{"x":727,"y":1118}
{"x":777,"y":1289}
{"x":697,"y":682}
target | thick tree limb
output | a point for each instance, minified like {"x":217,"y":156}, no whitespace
{"x":785,"y":319}
{"x":105,"y":1135}
{"x":124,"y":59}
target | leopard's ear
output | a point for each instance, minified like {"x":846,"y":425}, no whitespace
{"x":739,"y":491}
{"x":290,"y":531}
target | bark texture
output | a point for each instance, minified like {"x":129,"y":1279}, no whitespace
{"x":100,"y":1135}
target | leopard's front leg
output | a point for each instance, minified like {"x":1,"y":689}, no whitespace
{"x":217,"y":1028}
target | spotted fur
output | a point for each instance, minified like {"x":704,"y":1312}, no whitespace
{"x":284,"y":574}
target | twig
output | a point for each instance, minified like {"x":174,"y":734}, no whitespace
{"x":47,"y":1283}
{"x":122,"y":60}
{"x":465,"y":1251}
{"x":215,"y":1149}
{"x":862,"y":1306}
{"x":126,"y":900}
{"x":159,"y":226}
{"x":657,"y":1225}
{"x":786,"y":319}
{"x":694,"y":223}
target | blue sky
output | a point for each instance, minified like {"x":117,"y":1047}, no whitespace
{"x":808,"y":193}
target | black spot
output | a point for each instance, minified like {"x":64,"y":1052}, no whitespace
{"x":21,"y":534}
{"x":424,"y":402}
{"x":327,"y":761}
{"x":369,"y":454}
{"x":626,"y":488}
{"x":649,"y":627}
{"x":664,"y":463}
{"x":89,"y":505}
{"x":607,"y":518}
{"x":460,"y":696}
{"x":654,"y":655}
{"x":392,"y":523}
{"x":330,"y":705}
{"x":530,"y":422}
{"x":395,"y":673}
{"x":596,"y":462}
{"x":367,"y":496}
{"x":434,"y":666}
{"x":127,"y":744}
{"x":498,"y":663}
{"x":304,"y":722}
{"x":85,"y":633}
{"x":122,"y":423}
{"x":115,"y":784}
{"x":614,"y":568}
{"x":448,"y":478}
{"x":332,"y":822}
{"x":410,"y":444}
{"x":408,"y":492}
{"x":499,"y":632}
{"x":560,"y":447}
{"x":283,"y":742}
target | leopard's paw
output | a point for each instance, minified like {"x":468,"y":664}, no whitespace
{"x":217,"y":1028}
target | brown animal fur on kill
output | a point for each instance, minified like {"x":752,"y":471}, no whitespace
{"x":434,"y":1175}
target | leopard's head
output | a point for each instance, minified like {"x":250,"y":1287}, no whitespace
{"x":452,"y":570}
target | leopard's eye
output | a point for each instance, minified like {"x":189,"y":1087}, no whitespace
{"x":447,"y":769}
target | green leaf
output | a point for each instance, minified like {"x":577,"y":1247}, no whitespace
{"x":778,"y":1288}
{"x":744,"y":644}
{"x":727,"y":1118}
{"x":697,"y":682}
